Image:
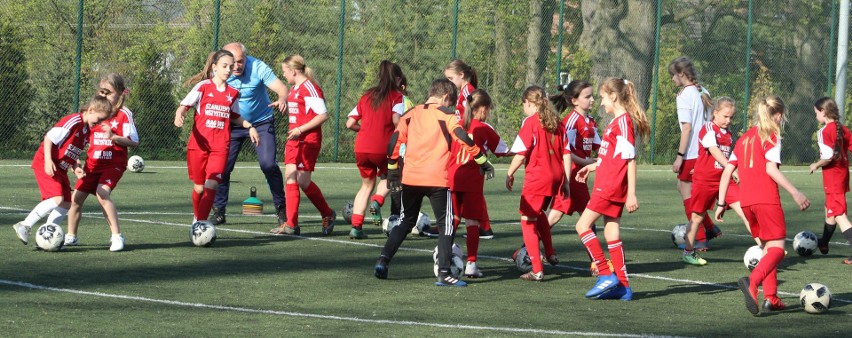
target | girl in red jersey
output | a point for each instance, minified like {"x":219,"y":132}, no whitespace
{"x":374,"y":119}
{"x":466,"y":182}
{"x":306,"y":107}
{"x":106,"y":161}
{"x":615,"y":187}
{"x":60,"y":151}
{"x":834,"y":141}
{"x":216,"y":107}
{"x":542,"y":146}
{"x":760,"y":151}
{"x":715,"y":142}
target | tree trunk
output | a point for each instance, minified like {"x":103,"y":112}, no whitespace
{"x":538,"y":38}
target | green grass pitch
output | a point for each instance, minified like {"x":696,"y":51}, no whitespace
{"x":251,"y":283}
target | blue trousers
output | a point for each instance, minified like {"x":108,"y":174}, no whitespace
{"x":266,"y":157}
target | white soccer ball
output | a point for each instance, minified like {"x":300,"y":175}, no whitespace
{"x":202,"y":233}
{"x":752,"y":257}
{"x":389,"y":223}
{"x":423,"y":224}
{"x":522,"y":259}
{"x":135,"y":164}
{"x":805,"y":243}
{"x":50,"y":237}
{"x":347,"y":212}
{"x":456,"y":261}
{"x":815,"y":298}
{"x":679,"y":235}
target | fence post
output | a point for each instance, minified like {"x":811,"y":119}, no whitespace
{"x":216,"y":25}
{"x":339,"y":78}
{"x":455,"y":30}
{"x":842,"y":52}
{"x":559,"y":46}
{"x":656,"y":78}
{"x":79,"y":54}
{"x":747,"y":69}
{"x":830,"y":74}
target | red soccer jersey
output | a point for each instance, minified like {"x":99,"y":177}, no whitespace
{"x":543,"y":156}
{"x":615,"y":151}
{"x":463,"y":170}
{"x":214,"y":111}
{"x":835,"y":174}
{"x":304,"y":102}
{"x":582,"y":134}
{"x":461,"y":102}
{"x":376,"y":124}
{"x":707,"y":170}
{"x":756,"y":187}
{"x":69,"y":136}
{"x":102,"y":152}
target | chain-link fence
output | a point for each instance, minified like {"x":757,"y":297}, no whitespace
{"x":742,"y":49}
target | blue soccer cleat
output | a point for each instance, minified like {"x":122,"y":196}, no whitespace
{"x":448,"y":280}
{"x":619,"y":292}
{"x":604,"y":284}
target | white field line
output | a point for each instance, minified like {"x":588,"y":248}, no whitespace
{"x":315,"y":316}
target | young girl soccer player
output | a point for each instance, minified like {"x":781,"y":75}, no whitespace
{"x":306,"y":107}
{"x":60,"y":151}
{"x":693,"y":100}
{"x":759,"y":149}
{"x":615,"y":187}
{"x":542,"y":146}
{"x":466,"y":183}
{"x":374,"y":119}
{"x":216,"y":107}
{"x":106,"y":161}
{"x":834,"y":141}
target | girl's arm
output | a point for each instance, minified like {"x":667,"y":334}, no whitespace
{"x":582,"y":161}
{"x":819,"y":164}
{"x":49,"y":167}
{"x":780,"y":179}
{"x":517,"y":161}
{"x":313,"y":123}
{"x":723,"y":191}
{"x":353,"y":124}
{"x":718,"y":155}
{"x":179,"y":115}
{"x":683,"y":145}
{"x":631,"y":203}
{"x":566,"y":182}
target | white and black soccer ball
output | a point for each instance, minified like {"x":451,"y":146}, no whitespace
{"x":202,"y":233}
{"x":422,"y":226}
{"x":522,"y":259}
{"x":815,"y":298}
{"x":679,"y":235}
{"x":456,"y":261}
{"x":752,"y":257}
{"x":805,"y":243}
{"x":347,"y":212}
{"x":389,"y":223}
{"x":135,"y":164}
{"x":50,"y":237}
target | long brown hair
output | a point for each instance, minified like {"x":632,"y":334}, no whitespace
{"x":478,"y":99}
{"x":625,"y":91}
{"x":684,"y":65}
{"x":460,"y":67}
{"x":546,"y":115}
{"x":827,"y":106}
{"x":572,"y":90}
{"x":207,"y":72}
{"x":387,"y":83}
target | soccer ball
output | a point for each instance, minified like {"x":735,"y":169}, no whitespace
{"x":752,"y":257}
{"x":456,"y":261}
{"x":422,"y":226}
{"x":389,"y":223}
{"x":135,"y":164}
{"x":679,"y":235}
{"x":815,"y":298}
{"x":522,"y":259}
{"x":202,"y":233}
{"x":805,"y":243}
{"x":50,"y":237}
{"x":347,"y":212}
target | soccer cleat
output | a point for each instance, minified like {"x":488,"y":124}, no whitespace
{"x":693,"y":259}
{"x":328,"y":223}
{"x":356,"y":233}
{"x":376,"y":212}
{"x":604,"y":284}
{"x":486,"y":234}
{"x":447,"y":280}
{"x":848,"y":261}
{"x":701,"y":246}
{"x":772,"y":304}
{"x":286,"y":230}
{"x":22,"y":231}
{"x":431,"y":232}
{"x":470,"y":270}
{"x":381,"y":269}
{"x":281,"y":212}
{"x":749,"y":296}
{"x":552,"y":260}
{"x":218,"y":216}
{"x":116,"y":243}
{"x":70,"y":240}
{"x":619,"y":292}
{"x":715,"y":232}
{"x":532,"y":276}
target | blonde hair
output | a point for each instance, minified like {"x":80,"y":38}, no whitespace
{"x":625,"y":91}
{"x":546,"y":115}
{"x":297,"y":62}
{"x":99,"y":104}
{"x":766,"y":109}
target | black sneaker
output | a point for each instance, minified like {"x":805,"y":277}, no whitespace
{"x":486,"y":234}
{"x":447,"y":280}
{"x":218,"y":216}
{"x":281,"y":211}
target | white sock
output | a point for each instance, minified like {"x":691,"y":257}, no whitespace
{"x":57,"y":215}
{"x":40,"y":210}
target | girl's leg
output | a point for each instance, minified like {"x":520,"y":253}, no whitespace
{"x":378,"y":200}
{"x":104,"y":192}
{"x":612,"y":232}
{"x":553,"y":217}
{"x":314,"y":194}
{"x":472,"y":239}
{"x":42,"y":209}
{"x":590,"y":240}
{"x":543,"y":229}
{"x":291,"y":196}
{"x":74,"y":214}
{"x":205,"y":199}
{"x":359,"y":205}
{"x":739,"y":210}
{"x":531,"y":241}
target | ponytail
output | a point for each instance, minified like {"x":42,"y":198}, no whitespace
{"x":629,"y":99}
{"x":387,"y":83}
{"x":546,"y":116}
{"x":766,"y":109}
{"x":478,"y":99}
{"x":297,"y":62}
{"x":827,"y":106}
{"x":460,"y":67}
{"x":562,"y":102}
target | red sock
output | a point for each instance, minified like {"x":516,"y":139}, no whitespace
{"x":767,"y":265}
{"x":616,"y":252}
{"x":196,"y":199}
{"x":485,"y":223}
{"x":357,"y":220}
{"x":206,"y":203}
{"x":543,"y":228}
{"x":770,"y":284}
{"x":379,"y":199}
{"x":593,"y":247}
{"x":531,"y":242}
{"x":472,"y":243}
{"x":707,"y":223}
{"x":700,"y":236}
{"x":291,"y":195}
{"x":315,"y":195}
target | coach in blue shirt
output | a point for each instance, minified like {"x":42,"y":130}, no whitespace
{"x":252,"y":77}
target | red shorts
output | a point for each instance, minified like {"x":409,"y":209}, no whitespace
{"x":304,"y":156}
{"x":766,"y":221}
{"x":835,"y":204}
{"x":469,"y":205}
{"x":107,"y":176}
{"x":606,"y":207}
{"x":576,"y":202}
{"x":372,"y":165}
{"x":203,"y":165}
{"x":704,"y":197}
{"x":685,"y":173}
{"x":533,"y":205}
{"x":52,"y":186}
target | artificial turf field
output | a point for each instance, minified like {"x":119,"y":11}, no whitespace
{"x":251,"y":283}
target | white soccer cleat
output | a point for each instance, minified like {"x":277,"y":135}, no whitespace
{"x":70,"y":240}
{"x":117,"y":243}
{"x":470,"y":270}
{"x":22,"y":231}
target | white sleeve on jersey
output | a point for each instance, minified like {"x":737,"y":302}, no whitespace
{"x":399,"y":108}
{"x":235,"y":106}
{"x":193,"y":97}
{"x":774,"y":153}
{"x":709,"y":139}
{"x":825,"y":152}
{"x":317,"y":104}
{"x":354,"y":112}
{"x":623,"y":147}
{"x":572,"y":137}
{"x":57,"y":135}
{"x":129,"y":129}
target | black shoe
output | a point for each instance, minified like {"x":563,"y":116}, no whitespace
{"x":486,"y":234}
{"x":218,"y":216}
{"x":281,"y":211}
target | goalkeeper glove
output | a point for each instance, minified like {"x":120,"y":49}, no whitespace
{"x":485,"y":167}
{"x":394,"y":178}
